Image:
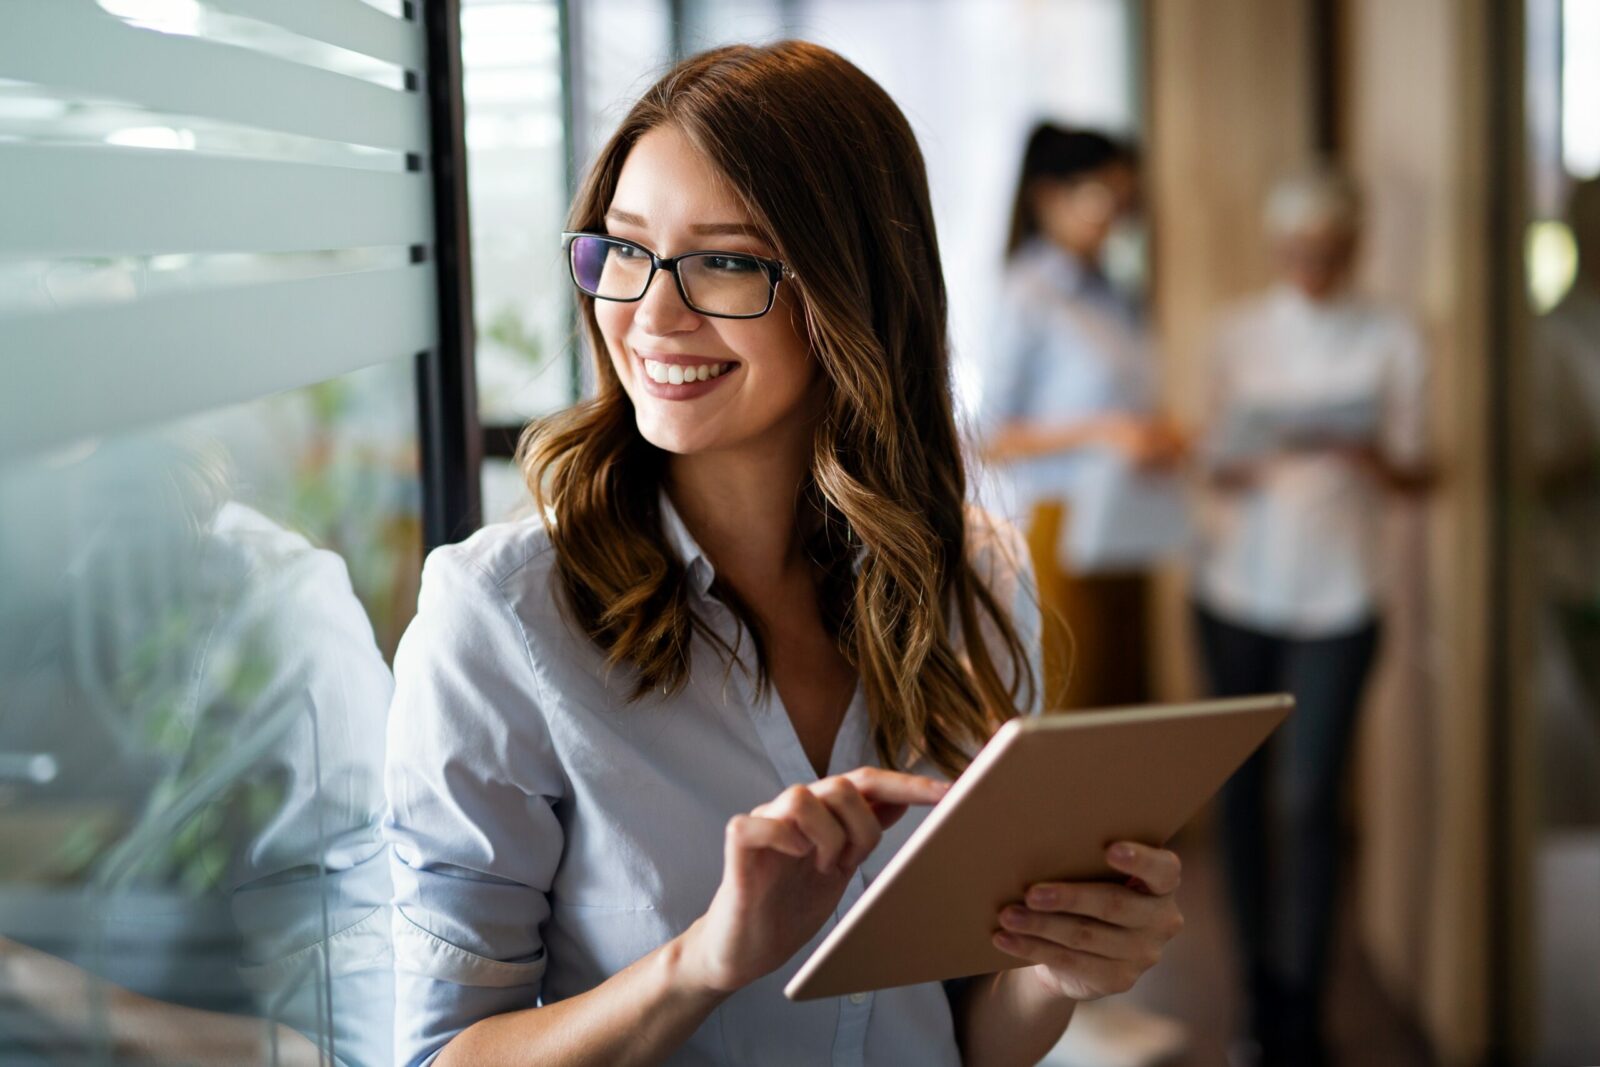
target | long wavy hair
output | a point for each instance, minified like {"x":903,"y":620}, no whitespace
{"x":830,"y":171}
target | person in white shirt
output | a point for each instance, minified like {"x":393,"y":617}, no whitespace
{"x":1315,"y":417}
{"x":646,"y":747}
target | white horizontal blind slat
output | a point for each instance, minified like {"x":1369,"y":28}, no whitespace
{"x":75,"y":46}
{"x":348,"y":24}
{"x":104,"y":369}
{"x":66,"y":201}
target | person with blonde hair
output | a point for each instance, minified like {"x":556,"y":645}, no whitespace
{"x":646,"y":747}
{"x":1315,"y":416}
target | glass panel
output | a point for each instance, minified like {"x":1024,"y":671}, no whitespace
{"x":193,"y":684}
{"x":516,"y":172}
{"x":624,"y":45}
{"x":1580,"y":88}
{"x":1555,"y":556}
{"x":505,"y":493}
{"x":189,"y":19}
{"x":709,"y":23}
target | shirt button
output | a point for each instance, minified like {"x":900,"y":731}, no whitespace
{"x":858,"y":998}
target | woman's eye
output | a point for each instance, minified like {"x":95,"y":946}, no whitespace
{"x":629,"y":252}
{"x":731,"y":264}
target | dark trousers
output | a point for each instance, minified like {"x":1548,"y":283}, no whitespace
{"x":1280,"y":812}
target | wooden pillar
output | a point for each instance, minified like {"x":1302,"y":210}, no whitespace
{"x":1231,"y":107}
{"x":1236,"y":99}
{"x":1416,"y":128}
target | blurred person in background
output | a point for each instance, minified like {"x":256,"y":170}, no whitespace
{"x":1069,"y":398}
{"x":1069,"y":410}
{"x":1314,"y":419}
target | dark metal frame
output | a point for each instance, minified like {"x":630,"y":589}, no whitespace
{"x":1507,"y":152}
{"x":452,"y":450}
{"x":1326,"y":27}
{"x":774,"y":268}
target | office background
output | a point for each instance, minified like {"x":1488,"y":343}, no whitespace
{"x":279,"y":285}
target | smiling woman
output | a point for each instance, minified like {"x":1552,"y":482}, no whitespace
{"x":769,"y":369}
{"x":646,"y":747}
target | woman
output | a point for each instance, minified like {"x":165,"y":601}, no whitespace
{"x":1316,"y":408}
{"x":644,"y":752}
{"x":1069,"y":401}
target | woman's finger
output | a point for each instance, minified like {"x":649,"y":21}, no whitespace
{"x":799,"y":805}
{"x":861,"y":826}
{"x":881,"y":787}
{"x":1160,"y":870}
{"x":1114,"y":904}
{"x":888,"y":814}
{"x":752,"y":832}
{"x":1080,"y":934}
{"x":1093,"y":974}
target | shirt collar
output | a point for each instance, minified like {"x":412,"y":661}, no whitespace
{"x":1298,"y":303}
{"x":685,"y":547}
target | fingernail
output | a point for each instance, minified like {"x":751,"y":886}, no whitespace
{"x":1040,"y":897}
{"x":1014,"y":917}
{"x":1005,"y":941}
{"x":1122,"y":853}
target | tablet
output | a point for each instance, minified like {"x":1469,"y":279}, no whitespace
{"x":1040,"y":803}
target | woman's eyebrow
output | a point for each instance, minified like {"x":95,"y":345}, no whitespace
{"x":744,"y":229}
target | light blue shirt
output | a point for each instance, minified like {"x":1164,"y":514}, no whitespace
{"x":547,"y":833}
{"x":1065,"y":346}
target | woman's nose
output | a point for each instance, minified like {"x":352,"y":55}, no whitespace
{"x":662,"y":310}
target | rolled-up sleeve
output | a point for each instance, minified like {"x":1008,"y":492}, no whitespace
{"x":471,"y":782}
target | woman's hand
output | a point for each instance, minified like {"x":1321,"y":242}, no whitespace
{"x":785,"y":866}
{"x":1092,"y":939}
{"x":1149,"y":443}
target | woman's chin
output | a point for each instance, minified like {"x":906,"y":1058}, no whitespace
{"x":674,"y":437}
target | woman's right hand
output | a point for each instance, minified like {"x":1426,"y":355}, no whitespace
{"x":785,"y":866}
{"x":1144,"y":442}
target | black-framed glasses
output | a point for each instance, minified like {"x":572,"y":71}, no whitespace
{"x":724,"y":285}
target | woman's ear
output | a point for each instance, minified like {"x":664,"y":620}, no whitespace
{"x":801,"y":319}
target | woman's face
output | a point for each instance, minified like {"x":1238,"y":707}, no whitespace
{"x":1079,"y":213}
{"x":760,"y":385}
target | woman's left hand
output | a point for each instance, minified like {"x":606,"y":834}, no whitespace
{"x":1093,"y":939}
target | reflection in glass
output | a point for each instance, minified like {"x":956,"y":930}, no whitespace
{"x":1563,"y":489}
{"x":192,"y":702}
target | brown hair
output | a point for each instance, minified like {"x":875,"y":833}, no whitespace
{"x":829,"y":169}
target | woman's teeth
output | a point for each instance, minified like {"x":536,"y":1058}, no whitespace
{"x":677,"y":373}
